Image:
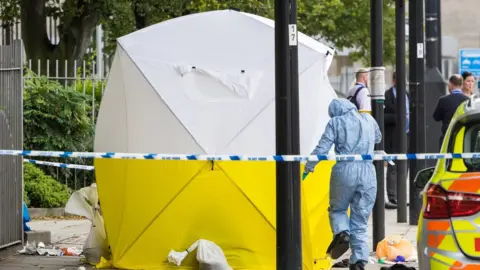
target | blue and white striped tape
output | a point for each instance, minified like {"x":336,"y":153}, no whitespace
{"x":60,"y":165}
{"x":150,"y":156}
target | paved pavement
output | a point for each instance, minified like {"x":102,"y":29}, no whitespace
{"x":73,"y":233}
{"x":65,"y":233}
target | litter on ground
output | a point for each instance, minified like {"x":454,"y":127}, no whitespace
{"x":51,"y":250}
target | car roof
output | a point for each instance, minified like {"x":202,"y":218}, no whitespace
{"x":471,"y":107}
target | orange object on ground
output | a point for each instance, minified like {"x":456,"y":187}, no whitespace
{"x":394,"y":246}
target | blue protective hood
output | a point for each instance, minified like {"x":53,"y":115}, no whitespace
{"x":340,"y":106}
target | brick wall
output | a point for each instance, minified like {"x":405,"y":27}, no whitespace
{"x":461,"y":20}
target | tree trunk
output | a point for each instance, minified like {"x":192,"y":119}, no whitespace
{"x":75,"y":38}
{"x":140,"y":15}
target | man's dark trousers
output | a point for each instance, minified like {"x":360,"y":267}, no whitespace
{"x":392,"y":179}
{"x":391,"y":139}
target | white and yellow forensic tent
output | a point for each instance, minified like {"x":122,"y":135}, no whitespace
{"x":204,"y":84}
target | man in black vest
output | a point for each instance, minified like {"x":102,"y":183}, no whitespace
{"x":391,"y":139}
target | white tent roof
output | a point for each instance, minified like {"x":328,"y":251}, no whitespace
{"x":204,"y":83}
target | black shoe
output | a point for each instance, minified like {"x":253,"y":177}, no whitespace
{"x":390,"y":205}
{"x":339,"y":245}
{"x":396,"y":203}
{"x":357,"y":266}
{"x":343,"y":264}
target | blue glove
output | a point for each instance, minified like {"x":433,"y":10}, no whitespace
{"x":304,"y":175}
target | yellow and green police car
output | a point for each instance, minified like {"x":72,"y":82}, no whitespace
{"x":449,"y":224}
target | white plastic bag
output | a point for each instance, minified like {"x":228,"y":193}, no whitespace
{"x":84,"y":202}
{"x":209,"y":255}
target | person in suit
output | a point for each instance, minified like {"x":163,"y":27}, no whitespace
{"x":391,"y":139}
{"x":447,"y":105}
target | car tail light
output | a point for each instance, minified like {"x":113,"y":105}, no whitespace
{"x":442,"y":204}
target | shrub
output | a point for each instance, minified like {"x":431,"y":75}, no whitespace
{"x":88,"y":87}
{"x":43,"y":191}
{"x":58,"y":118}
{"x":87,"y":83}
{"x":26,"y":200}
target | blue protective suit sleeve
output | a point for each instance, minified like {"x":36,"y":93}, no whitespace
{"x":323,"y":146}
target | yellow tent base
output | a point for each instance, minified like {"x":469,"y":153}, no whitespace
{"x":151,"y":207}
{"x":324,"y":263}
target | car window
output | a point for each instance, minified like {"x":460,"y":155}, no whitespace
{"x":471,"y":144}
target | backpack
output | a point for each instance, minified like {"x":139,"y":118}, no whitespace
{"x":353,"y":98}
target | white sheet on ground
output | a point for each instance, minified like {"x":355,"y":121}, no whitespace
{"x":84,"y":202}
{"x":209,"y":255}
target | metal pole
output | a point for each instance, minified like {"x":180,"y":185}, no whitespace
{"x":401,"y":109}
{"x":295,"y":133}
{"x":435,"y":85}
{"x":99,"y":52}
{"x":439,"y":34}
{"x":378,"y":98}
{"x":289,"y":254}
{"x":294,"y":94}
{"x":431,"y":18}
{"x":417,"y":98}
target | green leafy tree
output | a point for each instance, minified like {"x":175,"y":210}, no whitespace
{"x":346,"y":23}
{"x":349,"y":26}
{"x":77,"y":22}
{"x":137,"y":14}
{"x":58,"y":118}
{"x":59,"y":114}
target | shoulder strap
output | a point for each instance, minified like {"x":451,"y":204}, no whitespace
{"x":354,"y":97}
{"x":358,"y":91}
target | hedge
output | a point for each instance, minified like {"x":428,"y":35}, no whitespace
{"x":43,"y":191}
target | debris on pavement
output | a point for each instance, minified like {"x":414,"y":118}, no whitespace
{"x":394,"y":248}
{"x":29,"y":249}
{"x":85,"y":203}
{"x":42,"y":250}
{"x":400,"y":260}
{"x":71,"y":251}
{"x":209,"y":255}
{"x":66,"y":217}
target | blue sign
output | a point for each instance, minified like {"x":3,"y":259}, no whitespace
{"x":470,"y":61}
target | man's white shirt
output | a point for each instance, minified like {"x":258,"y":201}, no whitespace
{"x":364,"y":100}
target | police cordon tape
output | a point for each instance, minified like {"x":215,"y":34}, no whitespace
{"x":60,"y":165}
{"x":191,"y":157}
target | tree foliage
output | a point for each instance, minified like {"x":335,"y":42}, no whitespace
{"x":43,"y":191}
{"x":77,"y":21}
{"x":58,"y":118}
{"x":345,"y":23}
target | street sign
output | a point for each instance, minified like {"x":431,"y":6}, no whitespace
{"x":469,"y":60}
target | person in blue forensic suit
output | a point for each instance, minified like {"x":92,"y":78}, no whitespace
{"x":353,"y":183}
